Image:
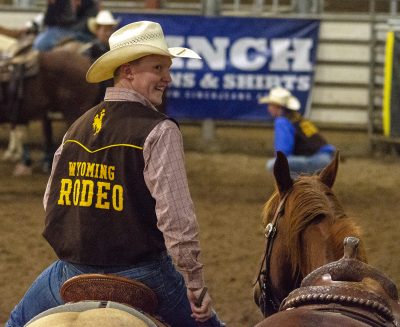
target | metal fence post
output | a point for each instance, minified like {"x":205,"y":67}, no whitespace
{"x":258,"y":6}
{"x":309,"y":6}
{"x":211,"y":7}
{"x":303,"y":6}
{"x":208,"y":130}
{"x":393,"y":7}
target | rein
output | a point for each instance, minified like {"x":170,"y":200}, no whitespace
{"x":270,"y":231}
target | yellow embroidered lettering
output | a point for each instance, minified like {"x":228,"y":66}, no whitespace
{"x":84,"y":190}
{"x":78,"y":166}
{"x":65,"y":191}
{"x":76,"y":191}
{"x":83,"y":169}
{"x":87,"y":193}
{"x":97,"y":171}
{"x":102,"y":195}
{"x":117,"y":197}
{"x":90,"y":169}
{"x":103,"y":172}
{"x":111,"y":170}
{"x":72,"y":166}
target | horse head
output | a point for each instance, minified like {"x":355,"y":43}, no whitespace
{"x":304,"y":227}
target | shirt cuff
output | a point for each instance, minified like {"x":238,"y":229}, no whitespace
{"x":194,"y":280}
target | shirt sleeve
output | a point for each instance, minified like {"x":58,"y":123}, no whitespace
{"x":284,"y":134}
{"x":53,"y":168}
{"x":165,"y":177}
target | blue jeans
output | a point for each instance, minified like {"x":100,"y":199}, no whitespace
{"x":160,"y":275}
{"x":304,"y":164}
{"x":52,"y":35}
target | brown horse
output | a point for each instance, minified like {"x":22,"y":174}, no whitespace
{"x":346,"y":292}
{"x":305,"y":226}
{"x":57,"y":84}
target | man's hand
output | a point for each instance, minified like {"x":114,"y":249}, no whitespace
{"x":200,"y":311}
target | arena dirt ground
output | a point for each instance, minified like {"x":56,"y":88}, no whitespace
{"x":229,"y":186}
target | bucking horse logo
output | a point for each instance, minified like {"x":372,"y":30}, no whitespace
{"x":98,"y":122}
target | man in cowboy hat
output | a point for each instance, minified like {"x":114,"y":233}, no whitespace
{"x":117,"y":200}
{"x":102,"y":26}
{"x":298,"y":138}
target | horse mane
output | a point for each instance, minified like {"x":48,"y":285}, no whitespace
{"x":311,"y":202}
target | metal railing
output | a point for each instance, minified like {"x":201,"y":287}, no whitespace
{"x":239,"y":7}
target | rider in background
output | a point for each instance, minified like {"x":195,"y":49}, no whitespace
{"x":298,"y":138}
{"x":65,"y":19}
{"x":102,"y":26}
{"x":117,"y":200}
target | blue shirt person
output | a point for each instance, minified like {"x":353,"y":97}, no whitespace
{"x":298,"y":138}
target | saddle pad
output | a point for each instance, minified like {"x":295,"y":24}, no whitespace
{"x":100,"y":317}
{"x":8,"y":45}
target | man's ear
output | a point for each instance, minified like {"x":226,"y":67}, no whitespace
{"x":127,"y":71}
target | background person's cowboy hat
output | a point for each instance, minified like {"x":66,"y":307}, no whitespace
{"x":281,"y":97}
{"x":132,"y":42}
{"x":104,"y":17}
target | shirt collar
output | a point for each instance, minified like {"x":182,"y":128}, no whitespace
{"x":123,"y":94}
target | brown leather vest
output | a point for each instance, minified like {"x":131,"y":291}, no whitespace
{"x":308,"y":140}
{"x":100,"y":211}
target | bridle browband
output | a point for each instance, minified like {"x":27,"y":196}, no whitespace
{"x":267,"y":296}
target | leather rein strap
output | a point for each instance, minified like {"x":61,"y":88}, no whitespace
{"x":263,"y":274}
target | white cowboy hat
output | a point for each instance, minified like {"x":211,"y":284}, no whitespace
{"x":282,"y":97}
{"x":104,"y":17}
{"x":132,"y":42}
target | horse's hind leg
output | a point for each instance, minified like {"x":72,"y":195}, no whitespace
{"x":24,"y":167}
{"x":15,"y":149}
{"x":9,"y":154}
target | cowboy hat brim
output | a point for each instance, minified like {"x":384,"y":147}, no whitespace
{"x":292,"y":103}
{"x":103,"y":68}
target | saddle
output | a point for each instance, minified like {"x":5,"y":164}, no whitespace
{"x":102,"y":300}
{"x":113,"y":288}
{"x":18,"y":61}
{"x":17,"y":52}
{"x":349,"y":287}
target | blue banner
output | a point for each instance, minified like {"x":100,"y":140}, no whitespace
{"x":243,"y":58}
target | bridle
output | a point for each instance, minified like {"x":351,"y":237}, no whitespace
{"x":268,"y":300}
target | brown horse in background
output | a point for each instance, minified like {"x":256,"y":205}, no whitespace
{"x":59,"y":85}
{"x":305,"y":226}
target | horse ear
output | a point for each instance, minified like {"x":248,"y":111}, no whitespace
{"x":328,"y":174}
{"x":282,"y":173}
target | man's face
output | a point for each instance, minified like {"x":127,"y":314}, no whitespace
{"x":103,"y":32}
{"x":151,"y":77}
{"x":275,"y":110}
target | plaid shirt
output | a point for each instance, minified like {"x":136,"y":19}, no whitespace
{"x":165,"y":177}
